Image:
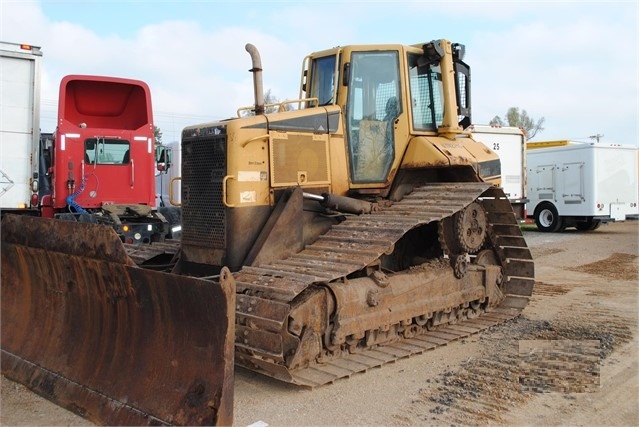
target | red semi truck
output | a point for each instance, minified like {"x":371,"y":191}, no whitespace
{"x":101,"y":159}
{"x":99,"y":164}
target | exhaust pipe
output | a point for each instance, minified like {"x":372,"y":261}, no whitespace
{"x":257,"y":78}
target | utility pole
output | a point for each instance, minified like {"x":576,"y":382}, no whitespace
{"x":597,"y":137}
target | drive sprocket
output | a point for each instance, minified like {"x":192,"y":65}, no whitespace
{"x":465,"y":231}
{"x":470,"y":225}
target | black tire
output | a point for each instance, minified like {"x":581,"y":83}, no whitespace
{"x":547,"y":218}
{"x":589,"y":225}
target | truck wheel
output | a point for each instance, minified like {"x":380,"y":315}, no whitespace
{"x":547,"y":218}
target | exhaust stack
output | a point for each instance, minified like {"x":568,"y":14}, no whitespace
{"x":257,"y":78}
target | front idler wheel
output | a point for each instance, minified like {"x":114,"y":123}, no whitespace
{"x":460,"y":265}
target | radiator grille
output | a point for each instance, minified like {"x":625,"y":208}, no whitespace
{"x":203,"y":170}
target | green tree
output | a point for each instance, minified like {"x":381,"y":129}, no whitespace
{"x":521,"y":120}
{"x":157,"y":135}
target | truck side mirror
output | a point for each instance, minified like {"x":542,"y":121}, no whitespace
{"x":163,"y":158}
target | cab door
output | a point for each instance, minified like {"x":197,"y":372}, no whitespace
{"x":372,"y":107}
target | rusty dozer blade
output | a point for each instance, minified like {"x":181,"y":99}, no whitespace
{"x":115,"y":343}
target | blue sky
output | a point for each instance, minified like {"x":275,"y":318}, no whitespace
{"x":573,"y":63}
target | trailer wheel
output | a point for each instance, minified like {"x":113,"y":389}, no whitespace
{"x":547,"y":218}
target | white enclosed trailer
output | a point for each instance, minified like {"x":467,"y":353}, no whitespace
{"x":573,"y":184}
{"x":19,"y":124}
{"x":510,"y":143}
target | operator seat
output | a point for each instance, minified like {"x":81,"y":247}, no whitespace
{"x":126,"y":158}
{"x":392,"y":111}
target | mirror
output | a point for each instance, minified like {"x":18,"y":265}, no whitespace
{"x":163,"y":158}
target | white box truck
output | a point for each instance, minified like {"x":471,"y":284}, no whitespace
{"x":19,"y":124}
{"x":510,"y":143}
{"x":581,"y":185}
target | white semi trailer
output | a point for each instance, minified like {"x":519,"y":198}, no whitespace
{"x":19,"y":125}
{"x":582,"y":185}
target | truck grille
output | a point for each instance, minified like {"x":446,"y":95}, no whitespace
{"x":203,"y":170}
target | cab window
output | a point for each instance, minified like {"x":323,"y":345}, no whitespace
{"x":106,"y":151}
{"x":323,"y":85}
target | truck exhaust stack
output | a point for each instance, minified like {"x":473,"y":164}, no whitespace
{"x":257,"y":78}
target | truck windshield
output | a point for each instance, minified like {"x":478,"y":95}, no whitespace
{"x":426,"y":94}
{"x":105,"y":151}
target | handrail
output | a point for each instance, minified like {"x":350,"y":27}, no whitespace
{"x":280,"y":105}
{"x":224,"y":192}
{"x":132,"y":174}
{"x":171,"y":201}
{"x":257,"y":138}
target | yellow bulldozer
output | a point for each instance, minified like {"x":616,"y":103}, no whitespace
{"x":358,"y":224}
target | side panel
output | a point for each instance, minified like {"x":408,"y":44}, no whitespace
{"x":19,"y":123}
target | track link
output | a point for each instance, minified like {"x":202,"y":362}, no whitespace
{"x":265,"y":293}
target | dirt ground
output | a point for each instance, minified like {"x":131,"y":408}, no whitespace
{"x":570,"y":359}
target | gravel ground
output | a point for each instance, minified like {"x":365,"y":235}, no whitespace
{"x":570,"y":359}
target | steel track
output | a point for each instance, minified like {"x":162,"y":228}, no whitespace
{"x":356,"y":243}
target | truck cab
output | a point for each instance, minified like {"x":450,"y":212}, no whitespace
{"x":100,"y":162}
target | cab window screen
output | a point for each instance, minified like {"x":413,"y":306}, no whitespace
{"x":427,"y":99}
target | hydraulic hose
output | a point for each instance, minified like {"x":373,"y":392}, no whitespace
{"x":76,"y":208}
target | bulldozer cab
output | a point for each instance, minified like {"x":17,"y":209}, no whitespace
{"x":389,"y":93}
